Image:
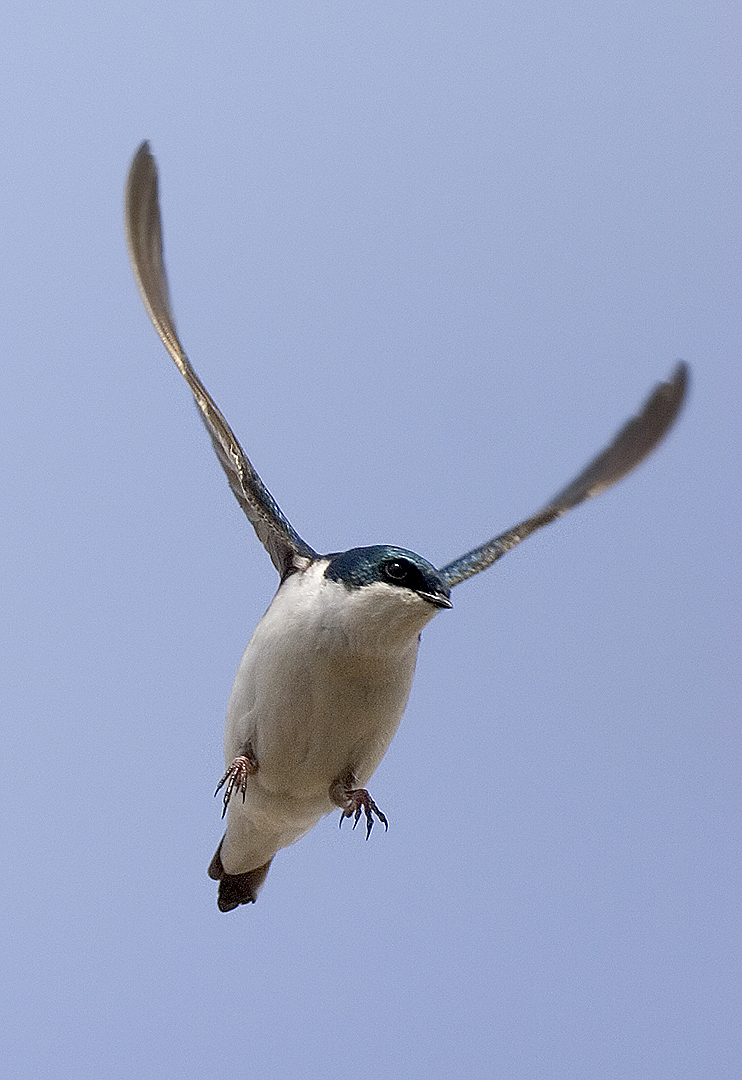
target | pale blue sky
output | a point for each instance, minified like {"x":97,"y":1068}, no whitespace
{"x":427,"y":258}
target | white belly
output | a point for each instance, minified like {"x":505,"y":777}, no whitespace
{"x":318,"y":696}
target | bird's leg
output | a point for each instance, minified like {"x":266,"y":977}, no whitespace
{"x":236,"y":776}
{"x":352,"y":801}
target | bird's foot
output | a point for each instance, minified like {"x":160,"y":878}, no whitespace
{"x":354,"y":800}
{"x":236,"y":777}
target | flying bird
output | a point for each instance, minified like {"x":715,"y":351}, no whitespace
{"x":325,"y":678}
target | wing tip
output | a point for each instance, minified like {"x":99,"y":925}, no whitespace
{"x":666,"y":401}
{"x":679,"y":381}
{"x":143,"y":151}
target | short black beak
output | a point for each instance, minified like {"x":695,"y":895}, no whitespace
{"x":437,"y":599}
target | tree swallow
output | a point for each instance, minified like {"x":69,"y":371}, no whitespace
{"x":323,"y":683}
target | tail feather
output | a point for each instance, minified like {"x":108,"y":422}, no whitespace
{"x":236,"y":889}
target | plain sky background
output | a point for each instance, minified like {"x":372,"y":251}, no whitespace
{"x":427,"y":258}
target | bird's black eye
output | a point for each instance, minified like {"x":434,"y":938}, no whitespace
{"x":397,"y":570}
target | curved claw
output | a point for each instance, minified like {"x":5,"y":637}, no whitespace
{"x":236,"y":778}
{"x":358,"y":800}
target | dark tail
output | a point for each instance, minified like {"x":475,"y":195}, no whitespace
{"x":236,"y":889}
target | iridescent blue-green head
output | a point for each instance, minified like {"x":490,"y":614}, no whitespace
{"x":388,"y":565}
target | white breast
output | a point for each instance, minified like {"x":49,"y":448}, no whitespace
{"x":319,"y":693}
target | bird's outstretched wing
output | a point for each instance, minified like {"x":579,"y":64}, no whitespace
{"x":144,"y":238}
{"x":631,"y":445}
